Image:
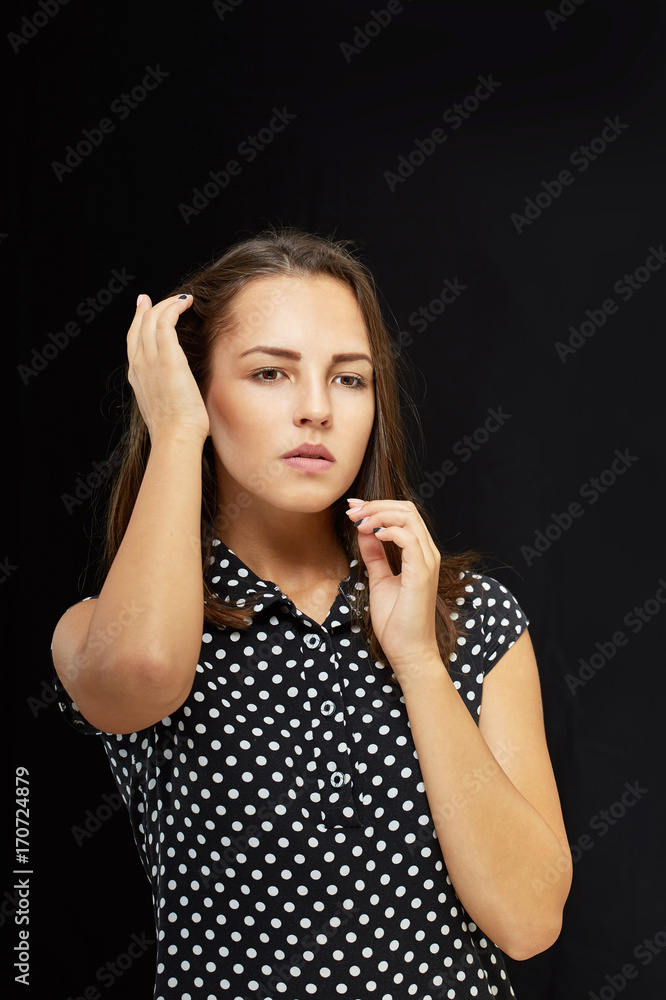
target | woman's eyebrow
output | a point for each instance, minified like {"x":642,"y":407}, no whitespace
{"x":283,"y":352}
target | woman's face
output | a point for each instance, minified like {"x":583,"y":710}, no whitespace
{"x":293,"y":371}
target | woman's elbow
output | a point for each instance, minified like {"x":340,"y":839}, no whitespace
{"x":533,"y":940}
{"x":540,"y":927}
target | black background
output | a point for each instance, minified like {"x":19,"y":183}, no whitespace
{"x":225,"y":71}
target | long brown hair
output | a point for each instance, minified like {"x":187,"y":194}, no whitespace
{"x":383,"y":473}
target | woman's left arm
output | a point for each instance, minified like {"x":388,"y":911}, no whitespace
{"x":490,"y":788}
{"x":494,"y":800}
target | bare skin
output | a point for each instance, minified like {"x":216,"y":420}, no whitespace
{"x":497,"y":841}
{"x":262,"y":404}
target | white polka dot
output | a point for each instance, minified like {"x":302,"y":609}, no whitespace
{"x":287,"y":840}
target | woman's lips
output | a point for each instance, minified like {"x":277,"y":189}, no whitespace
{"x":308,"y":464}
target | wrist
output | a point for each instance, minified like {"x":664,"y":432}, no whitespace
{"x":177,"y":437}
{"x":419,"y":668}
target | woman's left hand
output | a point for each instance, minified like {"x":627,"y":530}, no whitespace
{"x":403,"y":606}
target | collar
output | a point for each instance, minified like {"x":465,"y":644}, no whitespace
{"x":232,"y":579}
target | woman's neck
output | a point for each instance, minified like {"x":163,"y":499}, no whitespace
{"x":295,"y":550}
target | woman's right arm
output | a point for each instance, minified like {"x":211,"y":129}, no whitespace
{"x":128,"y":658}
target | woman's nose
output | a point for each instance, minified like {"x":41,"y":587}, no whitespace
{"x":313,"y":403}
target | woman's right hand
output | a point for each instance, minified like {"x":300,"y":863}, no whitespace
{"x":159,"y":373}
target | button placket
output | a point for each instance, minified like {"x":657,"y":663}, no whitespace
{"x":330,"y":730}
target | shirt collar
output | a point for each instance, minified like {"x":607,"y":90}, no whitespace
{"x":235,"y":582}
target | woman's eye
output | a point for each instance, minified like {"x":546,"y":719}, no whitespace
{"x":353,"y":381}
{"x":267,"y":375}
{"x":276,"y":375}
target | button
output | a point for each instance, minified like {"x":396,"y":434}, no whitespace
{"x":337,"y":779}
{"x":327,"y":707}
{"x":311,"y":640}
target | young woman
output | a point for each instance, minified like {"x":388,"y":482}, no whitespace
{"x":332,"y":791}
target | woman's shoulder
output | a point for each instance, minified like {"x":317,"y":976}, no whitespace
{"x":488,"y":587}
{"x":492,"y":617}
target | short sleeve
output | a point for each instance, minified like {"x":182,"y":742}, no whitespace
{"x":502,"y":619}
{"x":69,"y":708}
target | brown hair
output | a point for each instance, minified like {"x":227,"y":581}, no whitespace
{"x":383,"y":473}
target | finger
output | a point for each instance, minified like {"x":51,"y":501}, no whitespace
{"x":417,"y":565}
{"x":399,"y":511}
{"x":166,"y":316}
{"x":381,"y":504}
{"x":373,"y":554}
{"x":386,"y":513}
{"x":155,"y":325}
{"x":403,"y":513}
{"x":143,"y":304}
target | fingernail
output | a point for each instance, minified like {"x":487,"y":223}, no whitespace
{"x":140,"y":299}
{"x":183,"y":296}
{"x":357,"y":523}
{"x":355,"y":500}
{"x":382,"y":528}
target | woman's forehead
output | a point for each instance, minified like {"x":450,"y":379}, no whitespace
{"x":300,"y":308}
{"x":293,"y":289}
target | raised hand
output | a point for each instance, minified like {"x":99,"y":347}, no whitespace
{"x":159,"y":373}
{"x":402,"y":607}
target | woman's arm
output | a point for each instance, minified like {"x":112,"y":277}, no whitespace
{"x":128,"y":659}
{"x":493,"y":798}
{"x":490,"y":788}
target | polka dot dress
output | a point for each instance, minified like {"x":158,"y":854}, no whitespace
{"x":281,"y":814}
